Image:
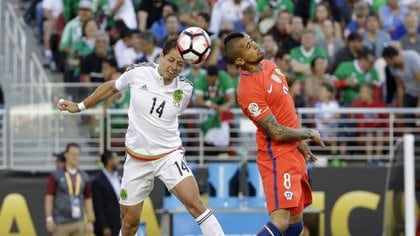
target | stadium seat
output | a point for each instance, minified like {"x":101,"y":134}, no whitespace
{"x":220,"y":174}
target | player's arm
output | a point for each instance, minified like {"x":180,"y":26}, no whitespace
{"x":104,"y":91}
{"x":282,"y":133}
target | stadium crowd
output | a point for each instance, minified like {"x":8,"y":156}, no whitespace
{"x":335,"y":53}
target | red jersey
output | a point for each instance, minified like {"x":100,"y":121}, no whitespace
{"x":265,"y":92}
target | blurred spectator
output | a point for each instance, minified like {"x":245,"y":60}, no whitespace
{"x":322,"y":14}
{"x":249,"y":17}
{"x":51,"y":10}
{"x":312,"y":84}
{"x":281,"y":28}
{"x":194,"y":72}
{"x":405,"y":67}
{"x":149,"y":12}
{"x":91,"y":65}
{"x":346,"y":12}
{"x":354,"y":45}
{"x":360,"y":11}
{"x":215,"y":91}
{"x":227,"y":11}
{"x":1,"y":105}
{"x":29,"y":14}
{"x":372,"y":128}
{"x":60,"y":160}
{"x":294,"y":37}
{"x":374,"y":38}
{"x":71,"y":8}
{"x":295,"y":90}
{"x":268,"y":9}
{"x":269,"y":46}
{"x":68,"y":197}
{"x":302,"y":56}
{"x":73,"y":31}
{"x":147,"y":42}
{"x":159,"y":27}
{"x":326,"y":122}
{"x":123,"y":48}
{"x":392,"y":15}
{"x":254,"y":32}
{"x":122,"y":10}
{"x":105,"y":195}
{"x":82,"y":48}
{"x":203,"y":21}
{"x":412,"y":39}
{"x":173,"y":27}
{"x":352,"y":74}
{"x":216,"y":54}
{"x":190,"y":9}
{"x":233,"y":71}
{"x":330,"y":43}
{"x":282,"y":60}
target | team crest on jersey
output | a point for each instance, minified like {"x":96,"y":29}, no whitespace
{"x":288,"y":195}
{"x":254,"y":109}
{"x":177,"y":96}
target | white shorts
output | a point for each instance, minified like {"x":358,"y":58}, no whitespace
{"x":138,"y":178}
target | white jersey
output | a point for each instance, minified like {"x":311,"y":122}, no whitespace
{"x":153,"y":112}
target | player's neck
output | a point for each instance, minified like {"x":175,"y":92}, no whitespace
{"x":253,"y":68}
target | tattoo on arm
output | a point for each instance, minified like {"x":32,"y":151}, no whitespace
{"x":282,"y":133}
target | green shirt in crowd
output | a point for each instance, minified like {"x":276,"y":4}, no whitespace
{"x":351,"y":70}
{"x":300,"y":55}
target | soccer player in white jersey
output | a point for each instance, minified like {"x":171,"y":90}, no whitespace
{"x":153,"y":144}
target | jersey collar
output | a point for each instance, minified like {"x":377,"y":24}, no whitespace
{"x":169,"y":88}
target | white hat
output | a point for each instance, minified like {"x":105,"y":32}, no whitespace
{"x":85,"y":4}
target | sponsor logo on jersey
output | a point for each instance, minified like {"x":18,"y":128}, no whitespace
{"x":254,"y":109}
{"x":144,"y":87}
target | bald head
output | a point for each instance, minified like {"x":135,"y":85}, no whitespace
{"x":232,"y":52}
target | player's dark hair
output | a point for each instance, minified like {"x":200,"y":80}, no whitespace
{"x":390,"y":52}
{"x":229,"y":48}
{"x":231,"y":36}
{"x":76,"y":145}
{"x":106,"y":156}
{"x":169,"y":45}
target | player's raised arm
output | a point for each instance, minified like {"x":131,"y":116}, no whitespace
{"x":282,"y":133}
{"x":104,"y":91}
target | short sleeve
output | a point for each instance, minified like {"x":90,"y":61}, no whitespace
{"x":126,"y":79}
{"x":253,"y":103}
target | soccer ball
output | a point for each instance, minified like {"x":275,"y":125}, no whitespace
{"x":194,"y":45}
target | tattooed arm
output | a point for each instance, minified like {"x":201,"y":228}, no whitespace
{"x":282,"y":133}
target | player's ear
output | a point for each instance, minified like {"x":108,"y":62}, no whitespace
{"x":239,"y":61}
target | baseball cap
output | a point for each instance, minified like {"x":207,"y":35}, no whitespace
{"x":85,"y":4}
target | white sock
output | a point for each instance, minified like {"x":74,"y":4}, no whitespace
{"x":209,"y":224}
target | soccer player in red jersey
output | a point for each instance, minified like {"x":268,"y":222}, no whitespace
{"x":263,"y":95}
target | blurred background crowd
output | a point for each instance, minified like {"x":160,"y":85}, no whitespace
{"x":335,"y":53}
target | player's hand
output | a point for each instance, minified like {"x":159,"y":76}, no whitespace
{"x":50,"y":226}
{"x":316,"y":137}
{"x":69,"y":106}
{"x":306,"y":152}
